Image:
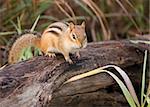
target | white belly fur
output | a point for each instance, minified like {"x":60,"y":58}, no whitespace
{"x":53,"y":50}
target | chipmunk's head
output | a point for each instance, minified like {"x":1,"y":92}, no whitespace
{"x":77,"y":35}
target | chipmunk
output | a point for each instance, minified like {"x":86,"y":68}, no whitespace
{"x":58,"y":37}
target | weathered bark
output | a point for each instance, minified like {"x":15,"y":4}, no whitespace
{"x":39,"y":82}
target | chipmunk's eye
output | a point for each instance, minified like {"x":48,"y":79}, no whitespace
{"x":74,"y":36}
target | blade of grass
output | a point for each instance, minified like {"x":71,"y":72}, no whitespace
{"x":147,"y":98}
{"x":26,"y":53}
{"x":7,"y":33}
{"x":121,"y":72}
{"x":126,"y":93}
{"x":128,"y":83}
{"x":37,"y":51}
{"x":84,"y":7}
{"x":101,"y":18}
{"x":3,"y":40}
{"x":140,"y":14}
{"x":71,"y":11}
{"x":2,"y":10}
{"x":35,"y":23}
{"x":130,"y":4}
{"x":42,"y":6}
{"x":77,"y":18}
{"x":126,"y":80}
{"x":121,"y":84}
{"x":16,"y":27}
{"x":130,"y":17}
{"x":143,"y":77}
{"x":51,"y":18}
{"x":140,"y":41}
{"x":93,"y":32}
{"x":2,"y":67}
{"x":63,"y":10}
{"x":19,"y":24}
{"x":19,"y":6}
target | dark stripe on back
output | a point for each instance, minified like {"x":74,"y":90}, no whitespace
{"x":56,"y":27}
{"x":66,"y":23}
{"x":54,"y":32}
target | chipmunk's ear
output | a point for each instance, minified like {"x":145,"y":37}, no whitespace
{"x":71,"y":26}
{"x":83,"y":24}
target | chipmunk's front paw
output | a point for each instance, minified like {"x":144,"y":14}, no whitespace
{"x":52,"y":55}
{"x":67,"y":58}
{"x":70,"y":61}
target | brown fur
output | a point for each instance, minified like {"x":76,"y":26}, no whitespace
{"x":22,"y":42}
{"x":56,"y":38}
{"x":64,"y":42}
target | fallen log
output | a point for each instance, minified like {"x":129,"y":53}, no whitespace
{"x":39,"y":81}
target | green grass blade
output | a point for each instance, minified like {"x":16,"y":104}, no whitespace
{"x":28,"y":52}
{"x":80,"y":76}
{"x":35,"y":23}
{"x":43,"y":6}
{"x":84,"y":7}
{"x":140,"y":41}
{"x":147,"y":98}
{"x":22,"y":56}
{"x":143,"y":77}
{"x":3,"y":40}
{"x":19,"y":24}
{"x":121,"y":72}
{"x":7,"y":33}
{"x":127,"y":82}
{"x":15,"y":11}
{"x":76,"y":18}
{"x":125,"y":91}
{"x":16,"y":27}
{"x":37,"y":51}
{"x":51,"y":18}
{"x":121,"y":84}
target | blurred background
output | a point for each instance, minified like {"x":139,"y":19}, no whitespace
{"x":105,"y":19}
